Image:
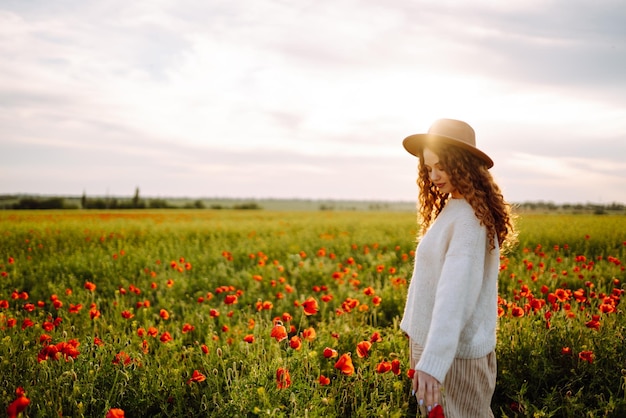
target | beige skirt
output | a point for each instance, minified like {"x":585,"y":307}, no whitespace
{"x":468,"y":387}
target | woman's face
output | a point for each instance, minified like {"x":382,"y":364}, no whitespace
{"x":438,"y":175}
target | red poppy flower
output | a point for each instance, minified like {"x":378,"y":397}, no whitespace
{"x":283,"y":378}
{"x":75,"y":308}
{"x":537,"y":304}
{"x":594,"y":323}
{"x":127,"y":315}
{"x":165,"y":337}
{"x":607,"y":308}
{"x":580,"y":296}
{"x":19,"y":404}
{"x":310,"y":306}
{"x":115,"y":413}
{"x":196,"y":377}
{"x":309,"y":334}
{"x":323,"y":380}
{"x":376,"y":338}
{"x":46,"y":352}
{"x":164,"y":314}
{"x":363,"y":348}
{"x":90,"y":286}
{"x":94,"y":313}
{"x":517,"y":312}
{"x":266,"y":305}
{"x":586,"y":356}
{"x":279,"y":332}
{"x":436,"y":412}
{"x":349,"y":304}
{"x":230,"y":299}
{"x":134,"y":289}
{"x":344,"y":364}
{"x":69,"y":349}
{"x":249,"y":338}
{"x":410,"y":373}
{"x":395,"y":367}
{"x":227,"y":255}
{"x":330,"y":353}
{"x":383,"y":367}
{"x":122,"y":358}
{"x":295,"y":342}
{"x":188,"y":328}
{"x":562,"y":295}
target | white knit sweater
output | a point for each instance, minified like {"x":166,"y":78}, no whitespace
{"x":451,"y":308}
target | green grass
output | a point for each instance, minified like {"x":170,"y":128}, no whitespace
{"x":278,"y":260}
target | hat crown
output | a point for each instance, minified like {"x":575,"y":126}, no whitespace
{"x":454,"y":129}
{"x":449,"y":132}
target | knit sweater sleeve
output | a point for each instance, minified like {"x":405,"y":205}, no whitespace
{"x":456,"y":295}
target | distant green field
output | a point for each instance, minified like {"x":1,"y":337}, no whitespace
{"x":175,"y":313}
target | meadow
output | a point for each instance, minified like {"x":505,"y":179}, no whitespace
{"x":186,"y":313}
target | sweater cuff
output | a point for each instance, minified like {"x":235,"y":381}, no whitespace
{"x":434,"y":366}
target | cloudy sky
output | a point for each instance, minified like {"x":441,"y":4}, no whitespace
{"x":308,"y":98}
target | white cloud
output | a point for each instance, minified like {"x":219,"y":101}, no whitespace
{"x":307,"y":85}
{"x":565,"y":179}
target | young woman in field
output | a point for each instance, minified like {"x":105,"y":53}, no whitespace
{"x":451,"y":308}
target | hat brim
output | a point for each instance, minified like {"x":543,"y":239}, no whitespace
{"x":414,"y":144}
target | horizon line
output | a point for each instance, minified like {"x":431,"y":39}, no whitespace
{"x":267,"y":198}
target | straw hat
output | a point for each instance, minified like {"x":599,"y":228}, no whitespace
{"x":448,"y":131}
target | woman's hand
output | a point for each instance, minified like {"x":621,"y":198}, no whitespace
{"x":427,"y":390}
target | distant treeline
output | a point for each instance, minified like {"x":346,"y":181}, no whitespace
{"x":36,"y":202}
{"x":598,"y":209}
{"x":136,"y":202}
{"x":98,"y":203}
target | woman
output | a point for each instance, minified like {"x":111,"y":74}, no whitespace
{"x":451,"y":308}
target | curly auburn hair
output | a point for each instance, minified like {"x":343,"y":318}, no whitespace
{"x":469,"y":175}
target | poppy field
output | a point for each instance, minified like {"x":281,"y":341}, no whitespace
{"x":188,"y":313}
